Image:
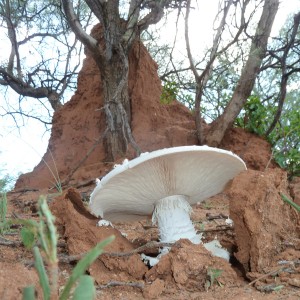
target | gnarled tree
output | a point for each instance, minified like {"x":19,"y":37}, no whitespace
{"x":250,"y":70}
{"x":119,"y":30}
{"x":39,"y":57}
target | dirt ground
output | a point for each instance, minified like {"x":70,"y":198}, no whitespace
{"x":264,"y":240}
{"x":264,"y":243}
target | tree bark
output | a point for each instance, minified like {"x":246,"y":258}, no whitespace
{"x":117,"y":106}
{"x":250,"y":71}
{"x":114,"y":77}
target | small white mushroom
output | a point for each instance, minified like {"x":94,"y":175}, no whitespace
{"x":229,"y":222}
{"x":165,"y":183}
{"x":104,"y":223}
{"x":216,"y":249}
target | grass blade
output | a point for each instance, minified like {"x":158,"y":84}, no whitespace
{"x":85,"y":289}
{"x":28,"y":293}
{"x":50,"y":237}
{"x":290,"y":202}
{"x":28,"y":237}
{"x":83,"y":264}
{"x":39,"y":265}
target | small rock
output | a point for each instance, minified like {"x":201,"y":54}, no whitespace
{"x":294,"y":282}
{"x":154,"y":290}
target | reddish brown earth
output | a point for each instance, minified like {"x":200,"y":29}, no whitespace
{"x":265,"y":232}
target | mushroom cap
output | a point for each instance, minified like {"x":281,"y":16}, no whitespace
{"x":133,"y":188}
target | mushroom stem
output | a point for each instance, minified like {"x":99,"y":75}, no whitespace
{"x":172,"y":214}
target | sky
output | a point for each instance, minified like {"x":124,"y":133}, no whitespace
{"x":22,"y":149}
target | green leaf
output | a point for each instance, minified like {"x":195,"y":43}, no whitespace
{"x":85,"y":289}
{"x":28,"y":293}
{"x":39,"y":265}
{"x":83,"y":264}
{"x":28,"y":237}
{"x":29,"y":223}
{"x":290,"y":202}
{"x":47,"y":231}
{"x":214,"y":274}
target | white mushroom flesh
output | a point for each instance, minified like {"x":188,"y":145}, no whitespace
{"x":172,"y":214}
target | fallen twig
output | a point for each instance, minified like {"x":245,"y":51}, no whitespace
{"x":269,"y":288}
{"x":220,"y":228}
{"x":139,"y":285}
{"x":289,"y":262}
{"x":10,"y":243}
{"x":274,"y":272}
{"x":210,"y":217}
{"x":149,"y":245}
{"x":25,"y":190}
{"x":17,"y":243}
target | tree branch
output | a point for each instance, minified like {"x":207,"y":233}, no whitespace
{"x":24,"y":89}
{"x":248,"y":76}
{"x":154,"y":16}
{"x":86,"y":39}
{"x":187,"y":40}
{"x":132,"y":28}
{"x":285,"y":75}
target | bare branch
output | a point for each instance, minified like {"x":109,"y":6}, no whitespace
{"x":285,"y":74}
{"x":22,"y":88}
{"x":13,"y":40}
{"x":248,"y":76}
{"x":187,"y":40}
{"x":155,"y":14}
{"x":12,"y":113}
{"x":113,"y":283}
{"x":131,"y":28}
{"x":86,"y":39}
{"x":39,"y":34}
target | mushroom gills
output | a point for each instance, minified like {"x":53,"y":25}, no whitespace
{"x":172,"y":215}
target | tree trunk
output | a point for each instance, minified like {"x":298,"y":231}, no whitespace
{"x":114,"y":77}
{"x":246,"y":82}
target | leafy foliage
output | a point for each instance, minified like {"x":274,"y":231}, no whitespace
{"x":289,"y":160}
{"x":5,"y":183}
{"x":254,"y":117}
{"x":279,"y":70}
{"x":285,"y":139}
{"x":169,"y":92}
{"x":172,"y":90}
{"x":286,"y":136}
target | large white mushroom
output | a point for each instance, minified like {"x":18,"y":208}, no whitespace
{"x":165,"y":183}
